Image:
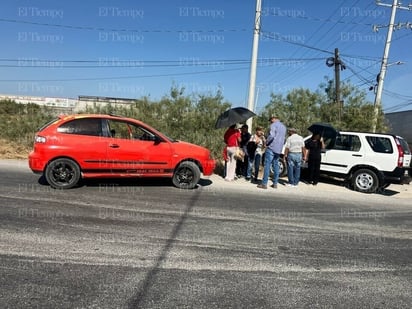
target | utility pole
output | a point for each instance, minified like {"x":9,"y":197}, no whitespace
{"x":252,"y":81}
{"x":337,"y":84}
{"x":339,"y":66}
{"x":381,"y":76}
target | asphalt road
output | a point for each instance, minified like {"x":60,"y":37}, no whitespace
{"x":146,"y":244}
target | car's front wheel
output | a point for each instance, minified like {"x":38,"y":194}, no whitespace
{"x":283,"y":171}
{"x":365,"y":180}
{"x":186,"y":175}
{"x":62,"y":173}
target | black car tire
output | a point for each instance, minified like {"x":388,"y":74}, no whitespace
{"x":365,"y":180}
{"x":62,"y":173}
{"x":186,"y":175}
{"x":283,"y":168}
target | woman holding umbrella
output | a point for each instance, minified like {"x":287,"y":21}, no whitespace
{"x":232,"y":139}
{"x":314,"y":148}
{"x":232,"y":135}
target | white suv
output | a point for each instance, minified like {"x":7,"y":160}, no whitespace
{"x":367,"y":161}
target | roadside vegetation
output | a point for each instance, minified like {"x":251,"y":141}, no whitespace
{"x":192,"y":117}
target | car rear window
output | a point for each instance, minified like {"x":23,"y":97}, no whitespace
{"x":48,"y":124}
{"x":380,"y":144}
{"x":82,"y":126}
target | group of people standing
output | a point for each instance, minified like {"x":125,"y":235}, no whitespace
{"x":257,"y":146}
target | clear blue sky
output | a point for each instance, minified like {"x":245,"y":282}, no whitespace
{"x":133,"y":49}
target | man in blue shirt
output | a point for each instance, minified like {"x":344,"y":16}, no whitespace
{"x":274,"y":146}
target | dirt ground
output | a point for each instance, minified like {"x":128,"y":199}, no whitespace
{"x":12,"y":150}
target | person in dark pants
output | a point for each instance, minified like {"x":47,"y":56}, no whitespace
{"x":313,"y":156}
{"x":241,"y":166}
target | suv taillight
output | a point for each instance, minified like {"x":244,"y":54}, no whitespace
{"x":400,"y":153}
{"x":39,"y":139}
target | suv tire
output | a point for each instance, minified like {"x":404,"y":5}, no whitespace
{"x":365,"y":180}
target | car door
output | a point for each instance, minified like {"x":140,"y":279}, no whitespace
{"x":82,"y":139}
{"x":345,"y":153}
{"x":133,"y":149}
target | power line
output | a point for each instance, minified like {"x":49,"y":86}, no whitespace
{"x":277,"y":37}
{"x":134,"y":63}
{"x":397,"y":107}
{"x":93,"y":28}
{"x":325,"y":20}
{"x":305,"y":52}
{"x":121,"y":77}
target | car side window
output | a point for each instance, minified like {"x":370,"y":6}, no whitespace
{"x":82,"y":126}
{"x":347,"y":142}
{"x":126,"y":130}
{"x":119,"y":129}
{"x":380,"y":144}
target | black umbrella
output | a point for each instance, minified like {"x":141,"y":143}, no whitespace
{"x":233,"y":116}
{"x":324,"y":129}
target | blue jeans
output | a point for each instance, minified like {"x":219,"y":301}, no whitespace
{"x":256,"y":163}
{"x":294,"y":163}
{"x":271,"y":159}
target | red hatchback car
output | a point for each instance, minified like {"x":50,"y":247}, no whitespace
{"x":73,"y":147}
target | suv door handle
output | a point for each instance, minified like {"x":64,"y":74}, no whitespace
{"x":356,"y":155}
{"x":114,"y":146}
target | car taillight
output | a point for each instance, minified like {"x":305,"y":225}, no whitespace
{"x":39,"y":139}
{"x":400,"y":153}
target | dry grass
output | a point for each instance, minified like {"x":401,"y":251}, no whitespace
{"x":13,"y":150}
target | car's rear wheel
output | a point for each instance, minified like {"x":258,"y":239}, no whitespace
{"x":365,"y":180}
{"x":62,"y":173}
{"x":186,"y":175}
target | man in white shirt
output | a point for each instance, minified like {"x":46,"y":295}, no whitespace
{"x":294,"y":151}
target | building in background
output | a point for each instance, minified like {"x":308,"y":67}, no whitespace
{"x":58,"y":103}
{"x":64,"y":105}
{"x":91,"y":101}
{"x":400,"y":123}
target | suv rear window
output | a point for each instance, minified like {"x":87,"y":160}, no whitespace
{"x":404,"y":146}
{"x":82,"y":126}
{"x":380,"y":144}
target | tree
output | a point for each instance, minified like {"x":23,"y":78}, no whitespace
{"x":208,"y":109}
{"x":356,"y":111}
{"x":303,"y":109}
{"x":299,"y":109}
